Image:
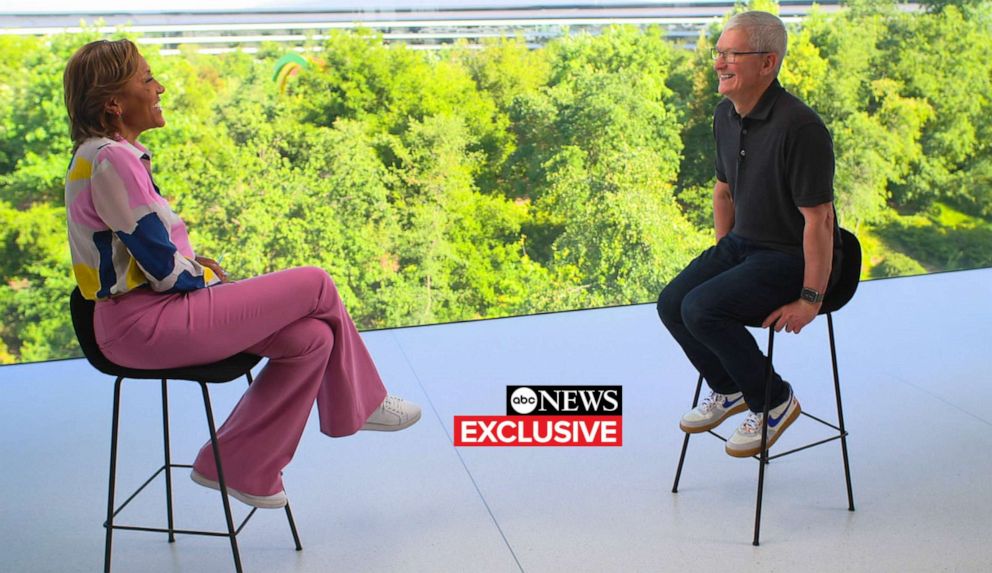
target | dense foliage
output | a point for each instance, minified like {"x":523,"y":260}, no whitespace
{"x":468,"y":183}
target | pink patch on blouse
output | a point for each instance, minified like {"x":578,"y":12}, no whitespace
{"x":83,"y":212}
{"x":180,"y":238}
{"x":133,"y":175}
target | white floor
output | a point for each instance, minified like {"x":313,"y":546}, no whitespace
{"x":916,"y":386}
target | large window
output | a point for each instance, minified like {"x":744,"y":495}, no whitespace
{"x":465,"y":173}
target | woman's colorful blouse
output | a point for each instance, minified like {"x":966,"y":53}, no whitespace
{"x":122,"y":232}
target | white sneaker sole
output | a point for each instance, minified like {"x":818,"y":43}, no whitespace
{"x":276,"y":501}
{"x":369,"y":426}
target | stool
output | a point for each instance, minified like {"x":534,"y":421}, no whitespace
{"x":219,"y":372}
{"x":836,"y":298}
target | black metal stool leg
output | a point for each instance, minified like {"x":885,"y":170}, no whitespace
{"x":292,"y":527}
{"x":685,"y":442}
{"x":168,"y":461}
{"x":763,"y":459}
{"x":232,"y":534}
{"x":840,"y":413}
{"x":113,"y":475}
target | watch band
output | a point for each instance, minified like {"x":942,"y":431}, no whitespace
{"x":811,"y":295}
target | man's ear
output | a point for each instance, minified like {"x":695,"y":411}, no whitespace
{"x":769,"y":63}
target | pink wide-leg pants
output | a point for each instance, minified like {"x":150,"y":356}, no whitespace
{"x":296,"y":319}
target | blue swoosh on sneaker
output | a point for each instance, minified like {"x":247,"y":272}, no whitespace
{"x":727,"y":403}
{"x":773,"y":421}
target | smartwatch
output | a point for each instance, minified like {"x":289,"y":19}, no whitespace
{"x":811,"y":295}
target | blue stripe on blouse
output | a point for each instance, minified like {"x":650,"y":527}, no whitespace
{"x":108,"y":277}
{"x":187,"y":282}
{"x":150,"y":245}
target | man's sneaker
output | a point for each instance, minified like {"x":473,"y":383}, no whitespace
{"x":392,"y":415}
{"x":746,"y":441}
{"x":714,"y":409}
{"x":274,"y":501}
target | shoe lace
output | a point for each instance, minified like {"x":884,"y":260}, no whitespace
{"x":752,"y":423}
{"x":392,"y":404}
{"x":710,"y":402}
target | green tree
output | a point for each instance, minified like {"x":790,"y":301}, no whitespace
{"x":945,"y":58}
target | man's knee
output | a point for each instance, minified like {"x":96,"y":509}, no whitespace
{"x":696,"y":314}
{"x":670,"y":306}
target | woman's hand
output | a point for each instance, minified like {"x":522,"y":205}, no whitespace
{"x":214,"y":266}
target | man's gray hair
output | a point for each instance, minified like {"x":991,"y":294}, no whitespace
{"x":765,"y":32}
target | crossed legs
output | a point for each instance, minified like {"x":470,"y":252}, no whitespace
{"x":296,"y":319}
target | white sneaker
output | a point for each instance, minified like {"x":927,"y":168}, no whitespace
{"x":392,"y":415}
{"x":746,"y":441}
{"x":274,"y":501}
{"x":713,"y":410}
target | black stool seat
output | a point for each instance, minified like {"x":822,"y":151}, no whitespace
{"x":82,"y":321}
{"x":222,"y":371}
{"x":850,"y":274}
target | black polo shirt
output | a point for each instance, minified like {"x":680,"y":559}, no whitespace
{"x":777,"y":158}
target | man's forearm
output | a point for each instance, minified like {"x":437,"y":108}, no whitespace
{"x":818,"y":246}
{"x":723,"y":210}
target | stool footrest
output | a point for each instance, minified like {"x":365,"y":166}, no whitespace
{"x":184,"y":531}
{"x":820,"y":420}
{"x":800,"y":448}
{"x":806,"y":447}
{"x":172,"y":531}
{"x":712,"y":433}
{"x":137,"y":491}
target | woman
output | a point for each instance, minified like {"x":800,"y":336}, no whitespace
{"x":161,"y":306}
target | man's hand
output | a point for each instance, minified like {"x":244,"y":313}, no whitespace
{"x":792,"y":317}
{"x":214,"y":266}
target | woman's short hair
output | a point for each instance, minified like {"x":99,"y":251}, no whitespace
{"x":765,"y":32}
{"x":95,"y":73}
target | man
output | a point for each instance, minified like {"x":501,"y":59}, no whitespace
{"x":776,"y":232}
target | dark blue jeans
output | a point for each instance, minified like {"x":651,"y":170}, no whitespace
{"x":708,"y":305}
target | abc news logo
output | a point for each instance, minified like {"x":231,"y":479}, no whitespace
{"x":567,"y":400}
{"x":549,"y":416}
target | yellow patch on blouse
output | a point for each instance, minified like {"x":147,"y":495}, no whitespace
{"x":81,"y":169}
